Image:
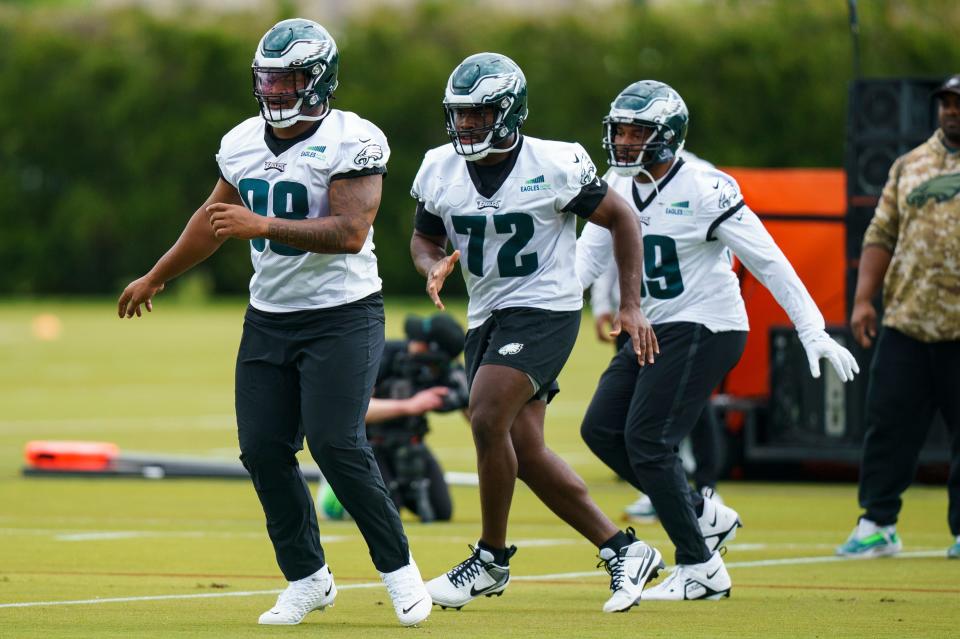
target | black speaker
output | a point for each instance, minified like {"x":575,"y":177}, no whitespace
{"x":892,"y":109}
{"x":822,"y":419}
{"x":885,"y":119}
{"x":807,"y":412}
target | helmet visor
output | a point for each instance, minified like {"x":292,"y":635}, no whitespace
{"x":280,"y":87}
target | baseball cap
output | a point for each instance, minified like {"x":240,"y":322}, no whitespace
{"x":950,"y":85}
{"x":440,"y":331}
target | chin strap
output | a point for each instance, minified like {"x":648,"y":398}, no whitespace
{"x":676,"y":157}
{"x":303,"y":118}
{"x":473,"y":157}
{"x":649,"y":177}
{"x":516,"y":141}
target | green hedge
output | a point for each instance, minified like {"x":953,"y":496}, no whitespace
{"x":110,"y":120}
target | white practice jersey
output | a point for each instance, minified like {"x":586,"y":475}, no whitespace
{"x":291,"y":180}
{"x":688,"y":227}
{"x":517,"y":244}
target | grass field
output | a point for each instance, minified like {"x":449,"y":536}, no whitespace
{"x":186,"y":558}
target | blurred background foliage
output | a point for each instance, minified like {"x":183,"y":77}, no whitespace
{"x":111,"y":117}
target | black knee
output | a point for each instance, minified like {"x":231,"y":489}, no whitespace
{"x":269,"y":467}
{"x":592,"y":436}
{"x":644,"y":453}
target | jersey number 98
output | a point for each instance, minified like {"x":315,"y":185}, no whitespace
{"x":290,"y":201}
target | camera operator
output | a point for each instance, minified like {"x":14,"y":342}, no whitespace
{"x":417,"y":375}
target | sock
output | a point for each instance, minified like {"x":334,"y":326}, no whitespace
{"x":501,"y":556}
{"x":617,"y":542}
{"x":866,"y":527}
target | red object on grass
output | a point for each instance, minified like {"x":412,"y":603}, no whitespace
{"x":70,"y":455}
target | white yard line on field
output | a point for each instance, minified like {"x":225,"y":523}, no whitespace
{"x":549,"y":577}
{"x":165,"y":422}
{"x":77,"y":535}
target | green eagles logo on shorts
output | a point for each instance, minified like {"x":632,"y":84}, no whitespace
{"x":940,"y":188}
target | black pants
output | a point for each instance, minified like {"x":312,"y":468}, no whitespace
{"x":909,"y":381}
{"x":311,"y":373}
{"x":638,"y":417}
{"x":705,"y":442}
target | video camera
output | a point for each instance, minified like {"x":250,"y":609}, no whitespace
{"x":429,"y":359}
{"x":426,"y":359}
{"x":433,"y":368}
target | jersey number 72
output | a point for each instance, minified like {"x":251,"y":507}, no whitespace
{"x":509,"y":262}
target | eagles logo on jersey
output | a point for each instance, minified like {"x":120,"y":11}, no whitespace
{"x":295,"y":72}
{"x":369,"y":153}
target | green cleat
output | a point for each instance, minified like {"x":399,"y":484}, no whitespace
{"x":953,"y":552}
{"x":870,"y":540}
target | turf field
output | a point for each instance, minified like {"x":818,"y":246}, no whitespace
{"x":185,"y":558}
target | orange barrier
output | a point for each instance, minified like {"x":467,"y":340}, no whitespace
{"x":70,"y":455}
{"x":804,"y":210}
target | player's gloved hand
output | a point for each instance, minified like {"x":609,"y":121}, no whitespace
{"x":818,"y":345}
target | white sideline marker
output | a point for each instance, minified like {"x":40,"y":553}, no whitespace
{"x":562,"y":575}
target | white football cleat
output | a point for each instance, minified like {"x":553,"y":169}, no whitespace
{"x":711,"y":493}
{"x":718,"y":523}
{"x":411,"y":601}
{"x":476,"y":576}
{"x":630,"y":569}
{"x":315,"y":592}
{"x":709,"y":580}
{"x":641,"y":511}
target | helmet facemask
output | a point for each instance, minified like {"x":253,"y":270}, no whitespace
{"x":489,"y":127}
{"x":287,"y":96}
{"x":633,"y":159}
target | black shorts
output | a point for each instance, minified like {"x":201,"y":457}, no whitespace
{"x":532,"y":340}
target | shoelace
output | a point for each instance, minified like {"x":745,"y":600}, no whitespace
{"x":467,"y":569}
{"x":614,"y":568}
{"x":294,"y":596}
{"x":402,"y":585}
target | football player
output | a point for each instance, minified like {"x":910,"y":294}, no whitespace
{"x":508,"y":204}
{"x":301,"y":182}
{"x":705,"y":437}
{"x":691,"y":215}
